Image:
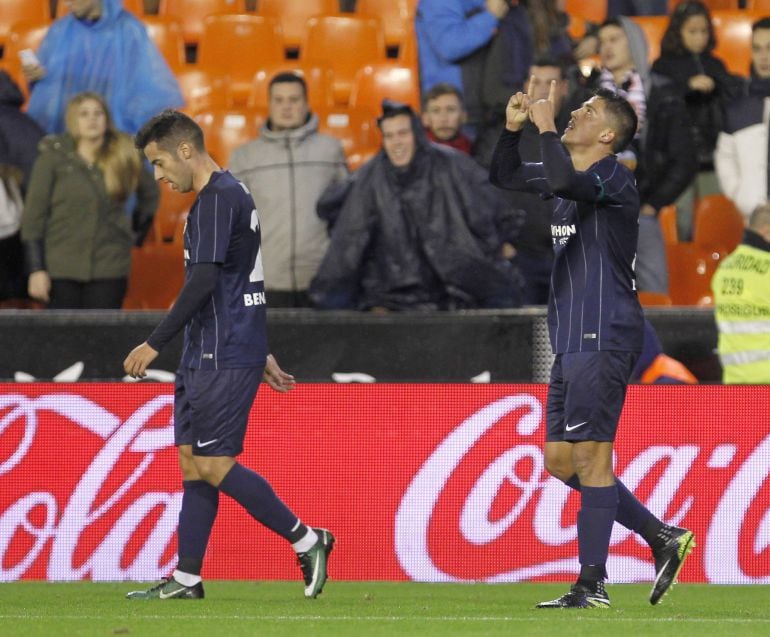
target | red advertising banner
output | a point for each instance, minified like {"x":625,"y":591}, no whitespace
{"x":422,"y":482}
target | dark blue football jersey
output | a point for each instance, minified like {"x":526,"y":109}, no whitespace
{"x":593,"y":304}
{"x":229,"y":331}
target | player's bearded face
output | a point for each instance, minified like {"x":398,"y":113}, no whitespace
{"x":170,"y":168}
{"x":178,"y":175}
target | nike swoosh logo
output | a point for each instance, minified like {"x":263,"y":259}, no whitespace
{"x":207,"y":443}
{"x":175,"y":593}
{"x":573,"y":427}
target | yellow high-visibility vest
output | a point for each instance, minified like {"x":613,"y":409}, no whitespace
{"x":741,"y":287}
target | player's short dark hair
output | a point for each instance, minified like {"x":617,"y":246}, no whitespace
{"x":288,"y":77}
{"x":762,"y":23}
{"x":442,"y":88}
{"x":622,"y":115}
{"x":168,"y":130}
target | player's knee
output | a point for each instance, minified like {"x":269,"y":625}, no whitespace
{"x":558,"y":461}
{"x":592,"y":467}
{"x":213,"y":469}
{"x":559,"y":469}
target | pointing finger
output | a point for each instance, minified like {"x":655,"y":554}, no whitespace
{"x":552,"y":92}
{"x":531,"y":85}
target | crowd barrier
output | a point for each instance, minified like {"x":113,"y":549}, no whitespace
{"x":425,"y":482}
{"x":499,"y":346}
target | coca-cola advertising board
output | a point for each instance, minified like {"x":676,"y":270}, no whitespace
{"x":426,"y":482}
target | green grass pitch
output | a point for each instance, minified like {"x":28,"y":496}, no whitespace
{"x":236,"y":609}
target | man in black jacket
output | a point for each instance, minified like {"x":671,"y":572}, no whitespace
{"x":417,"y":227}
{"x":663,"y":153}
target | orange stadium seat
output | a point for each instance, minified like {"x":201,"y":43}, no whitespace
{"x":134,"y":6}
{"x":407,"y":52}
{"x":718,"y":228}
{"x":590,"y":10}
{"x":167,"y":36}
{"x":397,"y":17}
{"x":733,"y":31}
{"x":190,"y":13}
{"x":718,"y":224}
{"x":317,"y":78}
{"x":360,"y":38}
{"x":759,"y":7}
{"x":356,"y":129}
{"x":225,"y":129}
{"x":654,"y":26}
{"x":576,"y":27}
{"x":172,"y":210}
{"x":23,"y":35}
{"x":667,"y":221}
{"x":148,"y":291}
{"x":238,"y":46}
{"x":375,"y":82}
{"x":690,"y":268}
{"x":654,"y":299}
{"x":13,"y":11}
{"x":203,"y":90}
{"x":293,"y":16}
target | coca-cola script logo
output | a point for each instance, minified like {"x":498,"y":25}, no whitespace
{"x":85,"y":507}
{"x":484,"y":492}
{"x":441,"y":482}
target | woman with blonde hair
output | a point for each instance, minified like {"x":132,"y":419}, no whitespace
{"x":89,"y":200}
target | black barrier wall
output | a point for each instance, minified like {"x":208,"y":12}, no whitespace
{"x":507,"y":346}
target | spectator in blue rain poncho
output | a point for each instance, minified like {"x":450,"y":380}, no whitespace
{"x":102,"y":48}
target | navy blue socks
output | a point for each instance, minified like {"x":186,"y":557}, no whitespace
{"x":632,"y":514}
{"x":599,"y":505}
{"x":253,"y":493}
{"x":200,"y":502}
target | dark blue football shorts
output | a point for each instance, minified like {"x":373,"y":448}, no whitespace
{"x":586,"y":394}
{"x":211,"y":409}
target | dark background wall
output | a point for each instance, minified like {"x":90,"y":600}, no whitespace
{"x":511,"y":346}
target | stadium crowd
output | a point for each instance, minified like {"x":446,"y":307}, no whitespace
{"x":363,"y":129}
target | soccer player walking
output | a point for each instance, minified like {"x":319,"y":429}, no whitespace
{"x":225,"y":355}
{"x":595,"y":323}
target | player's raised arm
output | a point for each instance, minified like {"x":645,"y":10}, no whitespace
{"x":507,"y":170}
{"x":517,"y":109}
{"x":542,"y":112}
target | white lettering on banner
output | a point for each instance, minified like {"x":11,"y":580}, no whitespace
{"x":483,"y":483}
{"x":678,"y":462}
{"x":416,"y":508}
{"x":673,"y":464}
{"x":720,"y":559}
{"x":80,"y":511}
{"x":475,"y":523}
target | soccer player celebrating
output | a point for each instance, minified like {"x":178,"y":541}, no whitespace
{"x":595,"y":323}
{"x":222,"y":307}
